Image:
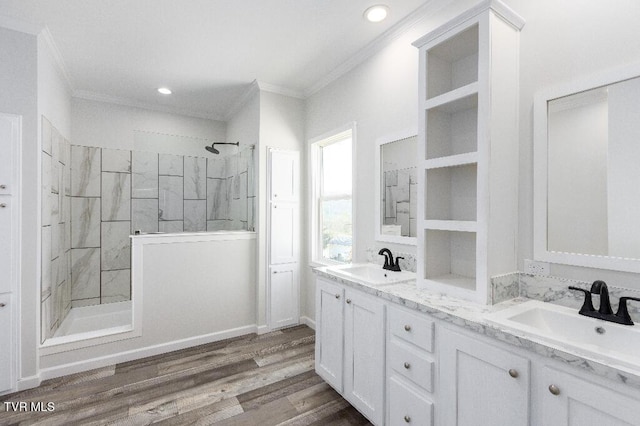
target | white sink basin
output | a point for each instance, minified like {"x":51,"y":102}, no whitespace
{"x":564,"y":327}
{"x":370,"y":273}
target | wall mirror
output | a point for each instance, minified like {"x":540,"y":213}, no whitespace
{"x":587,"y":172}
{"x":396,"y":197}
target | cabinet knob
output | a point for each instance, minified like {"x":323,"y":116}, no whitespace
{"x":554,"y":390}
{"x":3,"y":205}
{"x":407,"y":419}
{"x":513,"y":373}
{"x":2,"y":305}
{"x":275,"y":195}
{"x":407,"y":365}
{"x":337,"y":296}
{"x":275,"y":272}
{"x":349,"y":301}
{"x":3,"y":186}
{"x":407,"y":327}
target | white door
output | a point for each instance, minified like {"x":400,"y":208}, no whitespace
{"x":477,"y":378}
{"x":576,"y":402}
{"x":329,"y":333}
{"x":6,"y":346}
{"x":364,"y":354}
{"x":283,"y":233}
{"x":284,"y":175}
{"x":283,"y":295}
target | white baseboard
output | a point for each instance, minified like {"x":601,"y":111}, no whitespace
{"x":262,"y":329}
{"x":90,"y":364}
{"x":24,"y":384}
{"x":308,"y":321}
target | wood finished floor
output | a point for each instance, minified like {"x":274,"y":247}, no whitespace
{"x":249,"y":380}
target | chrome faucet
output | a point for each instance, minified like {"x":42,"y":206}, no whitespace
{"x":389,"y":263}
{"x":604,"y":312}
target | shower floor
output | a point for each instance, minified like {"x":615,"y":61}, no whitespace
{"x":88,"y":319}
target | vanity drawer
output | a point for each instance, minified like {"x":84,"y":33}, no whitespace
{"x":412,"y":328}
{"x":407,"y":407}
{"x":411,"y":364}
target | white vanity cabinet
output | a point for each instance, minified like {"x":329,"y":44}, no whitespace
{"x":482,"y":384}
{"x":568,"y":400}
{"x":350,"y":346}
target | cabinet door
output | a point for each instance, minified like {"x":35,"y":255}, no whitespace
{"x":283,"y":233}
{"x":6,"y":344}
{"x":477,"y":383}
{"x":329,"y":333}
{"x":364,"y":354}
{"x":9,"y":139}
{"x":582,"y":403}
{"x":283,"y":295}
{"x":284,"y":179}
{"x":6,"y":247}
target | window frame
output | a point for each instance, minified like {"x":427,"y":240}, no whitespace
{"x":316,"y":196}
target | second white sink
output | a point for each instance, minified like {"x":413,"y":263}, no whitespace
{"x":562,"y":326}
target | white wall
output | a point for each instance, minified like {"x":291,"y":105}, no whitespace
{"x":562,"y":41}
{"x":191,"y":290}
{"x":113,"y":126}
{"x":18,"y":86}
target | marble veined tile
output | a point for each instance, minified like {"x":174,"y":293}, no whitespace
{"x":171,"y":165}
{"x":55,"y":144}
{"x":402,"y":191}
{"x":413,"y":201}
{"x":215,"y":168}
{"x":195,"y":215}
{"x":85,"y":273}
{"x":116,"y":196}
{"x":116,"y":286}
{"x":116,"y":160}
{"x":171,"y":226}
{"x":231,"y":166}
{"x":85,"y":302}
{"x":85,"y":171}
{"x":145,"y":174}
{"x":45,"y":314}
{"x":219,"y":225}
{"x":171,"y":198}
{"x":46,"y":189}
{"x":46,"y":135}
{"x":116,"y":248}
{"x":55,"y":176}
{"x":144,"y":215}
{"x":217,"y":201}
{"x":195,"y":178}
{"x":46,"y":260}
{"x":85,"y":222}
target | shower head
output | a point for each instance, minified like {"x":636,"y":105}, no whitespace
{"x":213,"y":149}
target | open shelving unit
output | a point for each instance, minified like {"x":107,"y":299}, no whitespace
{"x":468,"y":151}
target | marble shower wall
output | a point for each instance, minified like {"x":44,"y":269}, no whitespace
{"x":55,"y":296}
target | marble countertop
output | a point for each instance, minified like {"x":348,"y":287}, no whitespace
{"x":473,"y":316}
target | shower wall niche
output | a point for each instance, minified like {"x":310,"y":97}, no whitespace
{"x":93,"y":199}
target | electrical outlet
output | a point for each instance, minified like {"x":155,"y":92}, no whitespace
{"x":536,"y":268}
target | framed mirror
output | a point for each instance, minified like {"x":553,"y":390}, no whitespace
{"x":587,"y":172}
{"x":396,"y":195}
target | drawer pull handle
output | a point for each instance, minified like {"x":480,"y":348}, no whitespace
{"x":513,"y":373}
{"x":337,"y":296}
{"x":2,"y":305}
{"x":407,"y":419}
{"x":407,"y":365}
{"x":554,"y":390}
{"x":407,"y":327}
{"x":349,"y":301}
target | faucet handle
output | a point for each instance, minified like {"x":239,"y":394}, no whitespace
{"x":623,"y":313}
{"x":587,"y":306}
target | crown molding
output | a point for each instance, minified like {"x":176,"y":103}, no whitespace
{"x":20,"y":25}
{"x":280,"y":90}
{"x":100,"y":97}
{"x":57,"y":56}
{"x":250,"y":91}
{"x":379,"y":43}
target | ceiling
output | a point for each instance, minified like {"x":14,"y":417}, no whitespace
{"x":207,"y":51}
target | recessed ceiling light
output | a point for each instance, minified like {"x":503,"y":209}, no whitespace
{"x":376,"y":13}
{"x":164,"y":90}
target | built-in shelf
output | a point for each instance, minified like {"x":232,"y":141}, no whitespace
{"x":469,"y":81}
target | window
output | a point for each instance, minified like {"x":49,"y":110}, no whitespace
{"x":332,"y":193}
